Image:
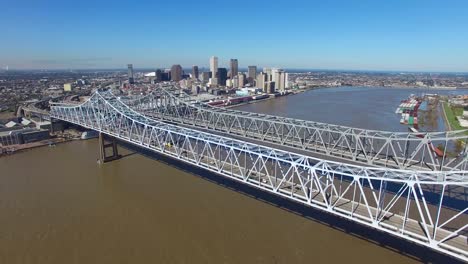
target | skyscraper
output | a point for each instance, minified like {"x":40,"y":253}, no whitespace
{"x":279,"y":77}
{"x":213,"y":66}
{"x":214,"y":71}
{"x":252,"y":74}
{"x":176,"y":72}
{"x":159,"y":77}
{"x":234,"y":68}
{"x":130,"y":74}
{"x":267,"y":72}
{"x":261,"y":81}
{"x":195,"y":72}
{"x":222,"y":76}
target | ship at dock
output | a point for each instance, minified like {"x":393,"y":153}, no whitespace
{"x":409,"y":110}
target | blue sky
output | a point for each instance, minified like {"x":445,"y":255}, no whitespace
{"x":414,"y":35}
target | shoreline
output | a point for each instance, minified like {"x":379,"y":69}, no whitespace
{"x":18,"y":148}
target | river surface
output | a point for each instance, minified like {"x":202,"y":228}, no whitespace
{"x":57,"y":205}
{"x":361,"y":107}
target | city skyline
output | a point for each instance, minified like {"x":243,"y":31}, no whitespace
{"x":416,"y":36}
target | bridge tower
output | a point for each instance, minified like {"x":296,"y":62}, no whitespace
{"x":106,"y":142}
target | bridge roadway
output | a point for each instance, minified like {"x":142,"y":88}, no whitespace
{"x":367,"y":147}
{"x":360,"y":194}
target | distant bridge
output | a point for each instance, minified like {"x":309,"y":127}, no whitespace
{"x":410,"y":204}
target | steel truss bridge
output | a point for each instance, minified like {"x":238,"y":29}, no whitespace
{"x":368,"y":147}
{"x":413,"y":205}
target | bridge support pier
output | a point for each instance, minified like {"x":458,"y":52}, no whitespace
{"x":103,"y":146}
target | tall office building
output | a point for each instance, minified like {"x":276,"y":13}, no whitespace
{"x":176,"y":72}
{"x":279,"y":77}
{"x":195,"y":72}
{"x":267,"y":72}
{"x":131,"y":80}
{"x":213,"y":66}
{"x":214,"y":70}
{"x":234,"y":68}
{"x":158,"y":76}
{"x":222,"y":76}
{"x":252,"y":74}
{"x":261,"y":81}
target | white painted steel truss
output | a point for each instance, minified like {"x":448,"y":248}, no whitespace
{"x":370,"y":147}
{"x":413,"y":205}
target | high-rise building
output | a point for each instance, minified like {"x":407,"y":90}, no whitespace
{"x":214,"y":70}
{"x":241,"y":81}
{"x":279,"y":77}
{"x":213,"y":66}
{"x":234,"y":68}
{"x":261,"y":81}
{"x":222,"y":76}
{"x":267,"y":72}
{"x":195,"y":72}
{"x":159,"y":76}
{"x":252,"y":74}
{"x":176,"y":72}
{"x":131,"y":80}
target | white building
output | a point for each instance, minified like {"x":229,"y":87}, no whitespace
{"x":214,"y":66}
{"x":279,"y":77}
{"x":213,"y":82}
{"x":241,"y":80}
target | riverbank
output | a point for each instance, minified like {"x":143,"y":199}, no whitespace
{"x":293,"y":92}
{"x":14,"y":149}
{"x":450,"y":114}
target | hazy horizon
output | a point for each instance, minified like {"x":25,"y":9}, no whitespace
{"x":406,"y":36}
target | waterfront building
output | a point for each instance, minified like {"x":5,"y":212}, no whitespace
{"x":261,"y":82}
{"x":176,"y":72}
{"x":131,"y":79}
{"x":279,"y":77}
{"x":234,"y":68}
{"x":270,"y":87}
